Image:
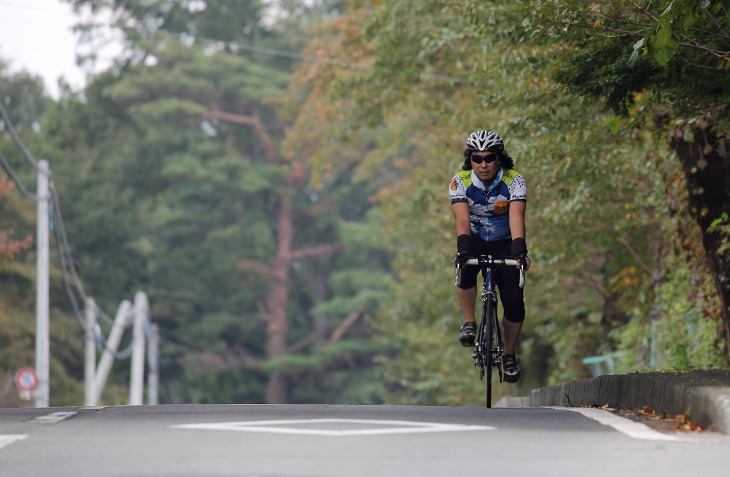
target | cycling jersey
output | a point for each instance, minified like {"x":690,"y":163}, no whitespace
{"x":489,"y":204}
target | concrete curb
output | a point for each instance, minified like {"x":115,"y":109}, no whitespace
{"x":706,"y":394}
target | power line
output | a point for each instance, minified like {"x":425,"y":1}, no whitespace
{"x":299,"y":56}
{"x":68,"y":262}
{"x":18,"y":142}
{"x":61,"y":241}
{"x":16,"y":179}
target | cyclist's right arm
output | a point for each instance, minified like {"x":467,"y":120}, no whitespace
{"x":460,"y":205}
{"x":461,"y":216}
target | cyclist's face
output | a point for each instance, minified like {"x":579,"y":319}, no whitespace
{"x":485,"y":165}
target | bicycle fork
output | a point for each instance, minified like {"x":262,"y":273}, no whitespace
{"x":489,"y":350}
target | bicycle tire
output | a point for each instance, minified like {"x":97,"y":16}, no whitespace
{"x":488,"y":319}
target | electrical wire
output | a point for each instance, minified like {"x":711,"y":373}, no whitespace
{"x":59,"y":231}
{"x":18,"y":142}
{"x":68,"y":263}
{"x":233,"y":45}
{"x":16,"y":179}
{"x":64,"y":275}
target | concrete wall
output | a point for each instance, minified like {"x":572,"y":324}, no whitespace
{"x":706,"y":394}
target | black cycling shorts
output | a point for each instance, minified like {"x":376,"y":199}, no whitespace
{"x":506,"y":277}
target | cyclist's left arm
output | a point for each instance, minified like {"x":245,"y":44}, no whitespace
{"x":517,"y":220}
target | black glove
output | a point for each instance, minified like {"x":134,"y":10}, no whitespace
{"x":519,"y":251}
{"x":463,"y":245}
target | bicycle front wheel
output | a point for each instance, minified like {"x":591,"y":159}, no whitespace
{"x":490,"y":321}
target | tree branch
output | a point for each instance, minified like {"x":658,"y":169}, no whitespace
{"x":582,"y":278}
{"x":633,"y":253}
{"x":228,"y":361}
{"x":716,"y":23}
{"x":645,"y":11}
{"x":255,"y":123}
{"x":336,"y":335}
{"x":255,"y":265}
{"x":343,"y":327}
{"x":314,"y":251}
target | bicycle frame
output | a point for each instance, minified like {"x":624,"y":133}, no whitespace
{"x":488,"y":352}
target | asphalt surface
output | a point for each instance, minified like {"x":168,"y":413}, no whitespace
{"x":345,"y":441}
{"x":703,"y":396}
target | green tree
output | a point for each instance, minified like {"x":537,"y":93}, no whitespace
{"x":24,"y":103}
{"x":404,"y":83}
{"x":233,"y":247}
{"x":664,"y":64}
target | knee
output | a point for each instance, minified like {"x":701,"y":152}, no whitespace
{"x":514,"y":313}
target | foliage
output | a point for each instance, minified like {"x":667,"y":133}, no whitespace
{"x":16,"y":340}
{"x":675,"y":310}
{"x":168,"y":187}
{"x":618,"y":49}
{"x":24,"y":101}
{"x":672,"y":80}
{"x":10,"y":247}
{"x":684,"y":338}
{"x":192,"y":200}
{"x":597,"y":206}
{"x":26,"y":113}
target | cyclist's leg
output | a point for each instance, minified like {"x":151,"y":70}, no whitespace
{"x":467,"y":302}
{"x":513,"y":303}
{"x":511,"y":296}
{"x":467,"y":294}
{"x":467,"y":290}
{"x":511,"y":335}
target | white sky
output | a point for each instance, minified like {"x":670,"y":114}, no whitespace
{"x":36,"y":35}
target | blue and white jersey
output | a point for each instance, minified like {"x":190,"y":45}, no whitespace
{"x":489,"y":204}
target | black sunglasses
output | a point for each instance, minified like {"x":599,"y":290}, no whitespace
{"x":488,"y":159}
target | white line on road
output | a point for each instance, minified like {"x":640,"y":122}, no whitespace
{"x":7,"y":439}
{"x":54,"y":417}
{"x":320,"y":427}
{"x":631,"y":428}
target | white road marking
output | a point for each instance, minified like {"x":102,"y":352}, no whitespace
{"x":54,"y":417}
{"x":631,"y":428}
{"x":394,"y":427}
{"x":7,"y":439}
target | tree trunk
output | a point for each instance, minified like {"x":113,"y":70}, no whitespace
{"x":277,"y":326}
{"x":706,"y":165}
{"x":278,"y":389}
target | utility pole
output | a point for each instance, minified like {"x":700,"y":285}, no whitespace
{"x":42,"y":342}
{"x":112,"y":344}
{"x":153,"y":359}
{"x":136,"y":385}
{"x":90,"y":354}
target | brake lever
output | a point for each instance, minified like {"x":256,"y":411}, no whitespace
{"x":522,"y":276}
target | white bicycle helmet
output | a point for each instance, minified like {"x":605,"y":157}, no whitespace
{"x":484,"y":140}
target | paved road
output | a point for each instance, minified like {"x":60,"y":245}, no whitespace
{"x":339,"y":441}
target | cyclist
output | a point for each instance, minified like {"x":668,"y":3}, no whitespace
{"x":488,"y":199}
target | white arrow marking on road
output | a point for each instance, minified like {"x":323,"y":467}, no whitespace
{"x":6,"y":440}
{"x":395,"y":427}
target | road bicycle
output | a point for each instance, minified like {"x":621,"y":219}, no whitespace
{"x":488,"y":347}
